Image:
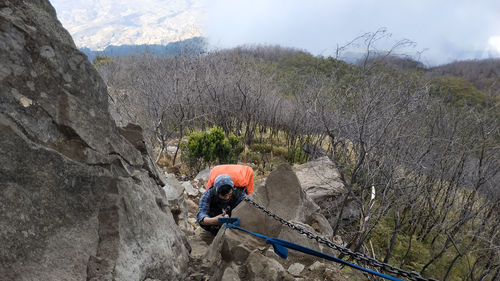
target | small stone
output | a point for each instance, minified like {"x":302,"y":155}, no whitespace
{"x":25,"y":101}
{"x":331,"y":274}
{"x":22,"y":99}
{"x":171,"y":149}
{"x":203,"y":176}
{"x":192,"y":221}
{"x":296,"y":268}
{"x":189,"y":189}
{"x":230,"y":275}
{"x":191,"y":206}
{"x":317,"y":266}
{"x":240,"y":253}
{"x":285,"y":276}
{"x":262,"y":268}
{"x":269,"y":252}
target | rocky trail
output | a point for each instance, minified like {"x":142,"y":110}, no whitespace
{"x":234,"y":255}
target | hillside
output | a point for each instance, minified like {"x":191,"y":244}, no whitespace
{"x":483,"y":74}
{"x":427,"y":143}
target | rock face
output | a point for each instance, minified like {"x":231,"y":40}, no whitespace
{"x":255,"y":260}
{"x":320,"y":179}
{"x":80,"y":199}
{"x":176,"y":203}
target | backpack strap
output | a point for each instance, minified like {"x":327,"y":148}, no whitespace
{"x":242,"y":189}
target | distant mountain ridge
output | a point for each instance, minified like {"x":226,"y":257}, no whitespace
{"x":483,"y":74}
{"x":97,"y":24}
{"x":193,"y":46}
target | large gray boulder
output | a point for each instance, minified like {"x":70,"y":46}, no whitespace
{"x":320,"y":179}
{"x":80,"y":199}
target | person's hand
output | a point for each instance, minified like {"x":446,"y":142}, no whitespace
{"x":214,"y":220}
{"x":223,"y":215}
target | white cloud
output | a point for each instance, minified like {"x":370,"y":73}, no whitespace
{"x":494,"y":42}
{"x":449,"y":30}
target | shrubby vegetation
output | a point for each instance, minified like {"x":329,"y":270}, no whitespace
{"x":425,"y":143}
{"x":458,"y":92}
{"x":483,"y":74}
{"x":211,"y":147}
{"x":101,"y":60}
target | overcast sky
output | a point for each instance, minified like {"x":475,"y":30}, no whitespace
{"x":446,"y":30}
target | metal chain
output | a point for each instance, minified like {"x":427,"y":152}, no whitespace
{"x":359,"y":257}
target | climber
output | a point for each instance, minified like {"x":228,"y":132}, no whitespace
{"x":218,"y":202}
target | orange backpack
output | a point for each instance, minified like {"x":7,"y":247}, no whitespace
{"x":242,"y":176}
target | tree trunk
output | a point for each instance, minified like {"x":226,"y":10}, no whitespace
{"x":451,"y":266}
{"x":393,"y":240}
{"x":181,"y":130}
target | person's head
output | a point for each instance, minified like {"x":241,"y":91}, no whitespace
{"x":224,"y":186}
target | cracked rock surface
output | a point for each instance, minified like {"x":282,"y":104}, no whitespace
{"x":80,"y":199}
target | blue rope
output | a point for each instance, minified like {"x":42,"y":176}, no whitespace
{"x":280,"y":248}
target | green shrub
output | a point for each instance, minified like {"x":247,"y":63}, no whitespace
{"x":261,"y":147}
{"x":211,"y":147}
{"x":101,"y":60}
{"x":280,"y":151}
{"x":254,"y":157}
{"x":295,"y":154}
{"x":458,"y":92}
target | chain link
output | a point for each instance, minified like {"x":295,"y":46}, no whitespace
{"x":359,"y":257}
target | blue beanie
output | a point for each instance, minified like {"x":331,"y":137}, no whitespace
{"x":222,"y":180}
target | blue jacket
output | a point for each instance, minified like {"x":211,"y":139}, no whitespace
{"x":211,"y":205}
